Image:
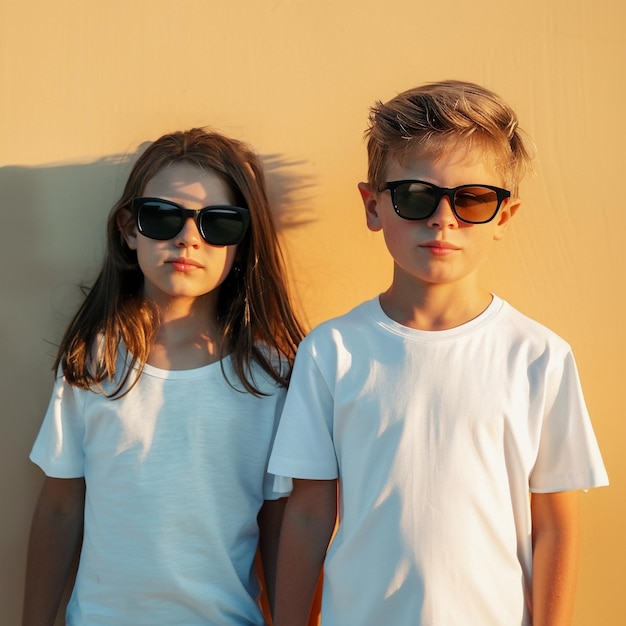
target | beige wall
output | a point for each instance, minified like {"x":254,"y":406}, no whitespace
{"x":84,"y":82}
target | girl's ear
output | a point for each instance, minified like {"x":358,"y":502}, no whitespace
{"x":370,"y":202}
{"x":128,"y":228}
{"x":508,"y":210}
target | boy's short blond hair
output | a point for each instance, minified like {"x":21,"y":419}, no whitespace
{"x":420,"y":122}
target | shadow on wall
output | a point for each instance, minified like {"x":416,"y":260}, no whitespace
{"x":52,"y":237}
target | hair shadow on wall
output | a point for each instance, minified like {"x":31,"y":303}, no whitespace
{"x":290,"y":191}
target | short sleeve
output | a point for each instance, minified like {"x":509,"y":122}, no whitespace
{"x":569,"y":457}
{"x":275,"y":487}
{"x":304,"y":442}
{"x":58,"y":448}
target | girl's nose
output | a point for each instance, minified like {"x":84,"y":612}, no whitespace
{"x":189,"y":236}
{"x":444,"y":216}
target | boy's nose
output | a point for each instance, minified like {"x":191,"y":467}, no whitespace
{"x":444,"y":216}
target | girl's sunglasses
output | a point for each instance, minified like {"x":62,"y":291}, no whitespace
{"x":221,"y":225}
{"x":418,"y":200}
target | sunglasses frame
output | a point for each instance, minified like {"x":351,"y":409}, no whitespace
{"x":440,"y":192}
{"x":195,"y":214}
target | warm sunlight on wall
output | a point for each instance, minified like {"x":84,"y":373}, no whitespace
{"x":84,"y":84}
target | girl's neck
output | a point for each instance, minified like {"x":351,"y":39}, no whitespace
{"x":188,"y":335}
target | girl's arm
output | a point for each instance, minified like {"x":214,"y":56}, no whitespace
{"x":555,"y":557}
{"x":270,"y":520}
{"x":308,"y":525}
{"x":55,"y":535}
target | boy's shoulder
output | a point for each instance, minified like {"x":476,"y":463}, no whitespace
{"x":347,"y":332}
{"x":361,"y":315}
{"x":528,"y":326}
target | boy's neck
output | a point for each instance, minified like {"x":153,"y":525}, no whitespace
{"x":439,"y":307}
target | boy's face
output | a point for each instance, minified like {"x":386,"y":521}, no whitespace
{"x":440,"y":249}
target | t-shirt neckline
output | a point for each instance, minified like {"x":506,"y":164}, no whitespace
{"x":388,"y":324}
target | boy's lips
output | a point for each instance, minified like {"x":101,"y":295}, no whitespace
{"x":439,"y":248}
{"x":444,"y":245}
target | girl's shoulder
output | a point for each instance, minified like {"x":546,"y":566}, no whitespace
{"x":106,"y":372}
{"x":268,"y":358}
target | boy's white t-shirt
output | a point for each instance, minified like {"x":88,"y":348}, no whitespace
{"x":176,"y":475}
{"x":437,"y":438}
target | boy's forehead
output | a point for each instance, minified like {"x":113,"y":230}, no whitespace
{"x":457,"y":155}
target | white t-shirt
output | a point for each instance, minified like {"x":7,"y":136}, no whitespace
{"x":176,"y":475}
{"x":437,"y":438}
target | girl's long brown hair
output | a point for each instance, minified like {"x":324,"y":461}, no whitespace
{"x":254,"y":311}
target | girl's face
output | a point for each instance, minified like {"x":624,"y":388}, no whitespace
{"x":184,"y":267}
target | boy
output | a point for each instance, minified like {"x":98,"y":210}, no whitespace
{"x":454,"y":426}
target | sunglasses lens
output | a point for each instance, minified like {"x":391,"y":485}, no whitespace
{"x":159,"y":220}
{"x":222,"y":226}
{"x":415,"y":201}
{"x":218,"y":225}
{"x":476,"y":204}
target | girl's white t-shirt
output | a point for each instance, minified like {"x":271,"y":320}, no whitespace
{"x":437,"y":439}
{"x":176,"y":474}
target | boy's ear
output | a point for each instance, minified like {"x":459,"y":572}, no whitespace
{"x":370,"y":202}
{"x":508,"y":210}
{"x":128,"y":228}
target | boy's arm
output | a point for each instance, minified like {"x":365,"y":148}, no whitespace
{"x":555,"y":557}
{"x":308,"y":525}
{"x":270,"y":522}
{"x":55,"y":535}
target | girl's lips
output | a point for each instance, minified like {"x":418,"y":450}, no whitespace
{"x":182,"y":264}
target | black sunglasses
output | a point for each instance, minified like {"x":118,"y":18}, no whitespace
{"x":418,"y":200}
{"x":220,"y":225}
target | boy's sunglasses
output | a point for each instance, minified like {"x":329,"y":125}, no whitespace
{"x":220,"y":225}
{"x":418,"y":200}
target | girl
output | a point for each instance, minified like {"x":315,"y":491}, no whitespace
{"x":172,"y":376}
